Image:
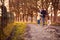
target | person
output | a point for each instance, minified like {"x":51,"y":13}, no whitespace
{"x":38,"y":18}
{"x":44,"y":13}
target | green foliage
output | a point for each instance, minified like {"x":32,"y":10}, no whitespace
{"x":18,"y":33}
{"x":6,"y":31}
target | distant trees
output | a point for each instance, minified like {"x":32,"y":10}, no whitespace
{"x":26,"y":7}
{"x":55,"y":5}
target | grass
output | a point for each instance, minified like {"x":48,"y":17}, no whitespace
{"x":19,"y":30}
{"x":8,"y":29}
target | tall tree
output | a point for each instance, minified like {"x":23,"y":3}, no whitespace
{"x":55,"y":5}
{"x":4,"y":20}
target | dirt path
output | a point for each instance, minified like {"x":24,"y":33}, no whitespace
{"x":38,"y":32}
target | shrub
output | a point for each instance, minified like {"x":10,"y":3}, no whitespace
{"x":15,"y":31}
{"x":19,"y":31}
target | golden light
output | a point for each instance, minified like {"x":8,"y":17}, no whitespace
{"x":0,"y":15}
{"x":49,"y":14}
{"x":6,"y":3}
{"x":52,"y":8}
{"x":50,"y":3}
{"x":0,"y":12}
{"x":21,"y":13}
{"x":0,"y":3}
{"x":58,"y":15}
{"x":14,"y":14}
{"x":52,"y":14}
{"x":38,"y":3}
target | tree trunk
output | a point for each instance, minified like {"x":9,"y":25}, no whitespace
{"x":55,"y":15}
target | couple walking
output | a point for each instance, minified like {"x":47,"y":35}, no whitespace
{"x":41,"y":16}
